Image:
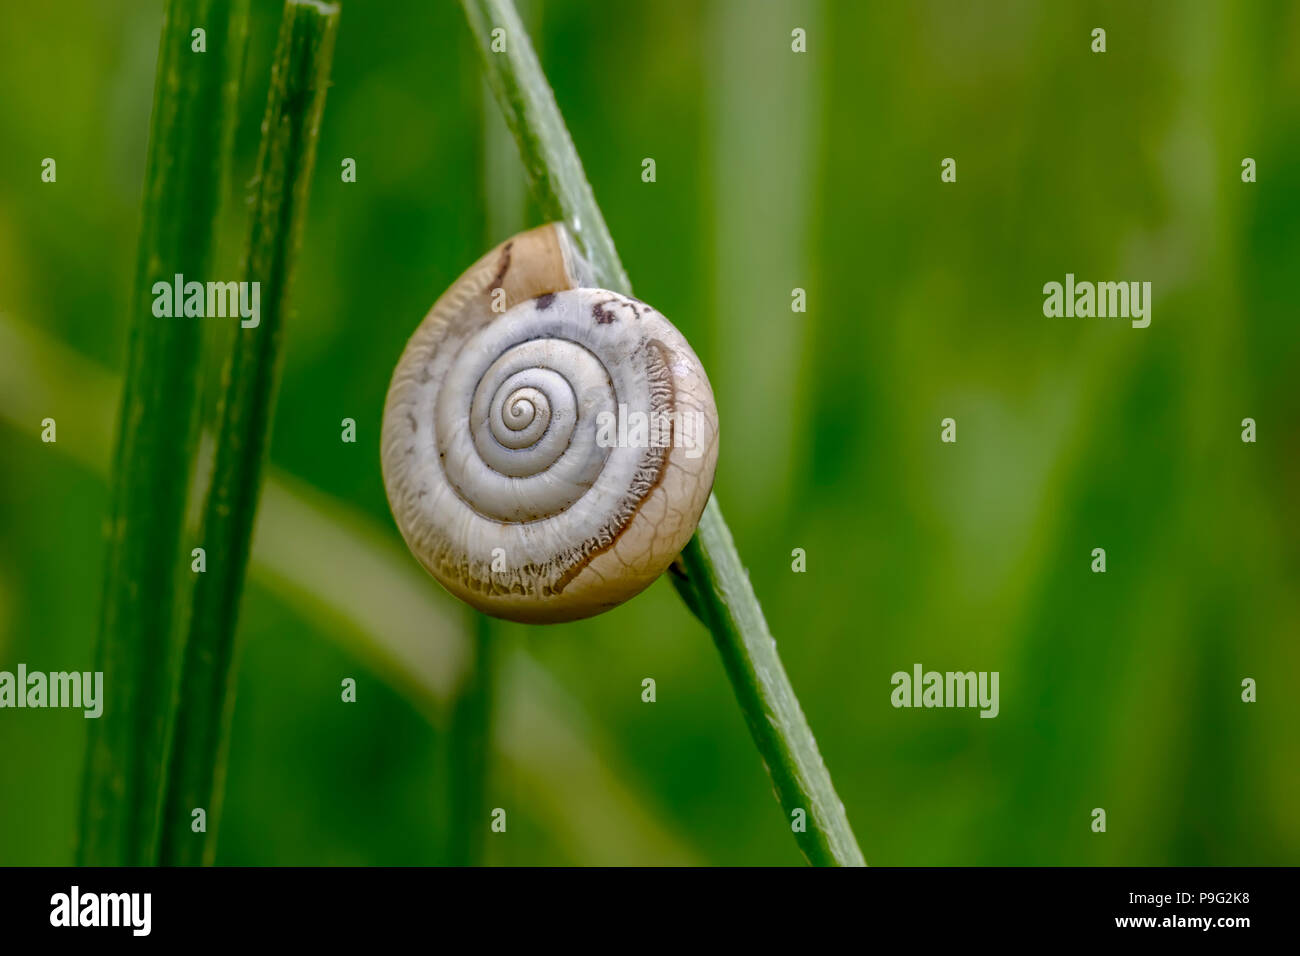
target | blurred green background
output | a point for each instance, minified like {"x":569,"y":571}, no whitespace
{"x":775,"y":170}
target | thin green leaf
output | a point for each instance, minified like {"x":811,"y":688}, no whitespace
{"x":299,"y":79}
{"x":771,"y":709}
{"x":710,"y":577}
{"x":189,"y":150}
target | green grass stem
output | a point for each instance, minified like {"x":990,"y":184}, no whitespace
{"x":299,"y":80}
{"x":710,"y":575}
{"x":146,"y":566}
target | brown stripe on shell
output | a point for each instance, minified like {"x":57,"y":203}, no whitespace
{"x":502,"y":269}
{"x":647,"y":478}
{"x":552,"y":577}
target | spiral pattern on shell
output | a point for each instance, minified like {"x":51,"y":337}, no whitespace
{"x":547,"y":447}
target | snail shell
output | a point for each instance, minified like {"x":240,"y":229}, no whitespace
{"x":514,"y":456}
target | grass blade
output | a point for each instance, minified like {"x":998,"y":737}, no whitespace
{"x":559,"y":184}
{"x":771,"y":709}
{"x":299,"y":79}
{"x":710,"y":576}
{"x":189,"y":149}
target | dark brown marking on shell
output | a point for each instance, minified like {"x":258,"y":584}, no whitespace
{"x":602,"y":315}
{"x":544,"y":301}
{"x":543,"y":581}
{"x":501,"y":269}
{"x":663,"y":401}
{"x":414,"y":425}
{"x":531,"y":579}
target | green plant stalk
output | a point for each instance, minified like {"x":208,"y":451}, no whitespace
{"x":771,"y":709}
{"x":190,"y":138}
{"x":559,"y":183}
{"x":709,"y":575}
{"x":299,"y":80}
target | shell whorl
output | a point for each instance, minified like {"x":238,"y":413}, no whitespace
{"x":548,"y":458}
